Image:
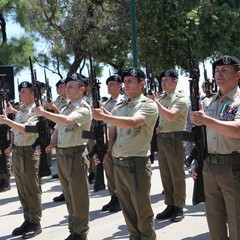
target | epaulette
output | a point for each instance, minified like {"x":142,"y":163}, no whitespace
{"x":122,"y":103}
{"x":209,"y":95}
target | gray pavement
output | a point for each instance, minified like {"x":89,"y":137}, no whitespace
{"x":103,"y":225}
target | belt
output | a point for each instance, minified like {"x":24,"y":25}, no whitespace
{"x":22,"y":148}
{"x":170,"y":135}
{"x":221,"y":159}
{"x":70,"y":150}
{"x":130,"y":161}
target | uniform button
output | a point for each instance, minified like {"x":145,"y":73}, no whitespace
{"x":214,"y":138}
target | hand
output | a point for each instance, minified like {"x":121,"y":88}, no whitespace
{"x":38,"y":110}
{"x":49,"y":148}
{"x":10,"y":109}
{"x":3,"y":117}
{"x":95,"y":159}
{"x":49,"y":105}
{"x":98,"y":114}
{"x":153,"y":96}
{"x":8,"y":150}
{"x":194,"y":174}
{"x":198,"y":118}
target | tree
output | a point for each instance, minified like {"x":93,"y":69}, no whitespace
{"x":11,"y":47}
{"x":70,"y":28}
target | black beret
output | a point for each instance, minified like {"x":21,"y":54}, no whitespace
{"x":24,"y":84}
{"x":74,"y":77}
{"x":226,"y":60}
{"x":169,"y":73}
{"x":86,"y":81}
{"x":61,"y":81}
{"x":41,"y":84}
{"x":114,"y":78}
{"x":134,"y":72}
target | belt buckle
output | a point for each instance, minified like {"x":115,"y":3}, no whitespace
{"x":120,"y":158}
{"x":220,"y":159}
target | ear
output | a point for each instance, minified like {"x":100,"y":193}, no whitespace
{"x":238,"y":75}
{"x":142,"y":84}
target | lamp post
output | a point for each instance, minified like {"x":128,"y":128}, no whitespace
{"x":134,"y":32}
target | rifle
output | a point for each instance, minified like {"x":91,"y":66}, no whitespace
{"x":49,"y":98}
{"x":42,"y":128}
{"x":99,"y":132}
{"x":48,"y":88}
{"x":210,"y":84}
{"x":4,"y":130}
{"x":152,"y":87}
{"x":152,"y":82}
{"x":198,"y":134}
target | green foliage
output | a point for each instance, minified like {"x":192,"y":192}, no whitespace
{"x":70,"y":28}
{"x":16,"y":53}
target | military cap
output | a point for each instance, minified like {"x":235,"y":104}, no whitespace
{"x":169,"y":73}
{"x":24,"y":84}
{"x":114,"y":78}
{"x":134,"y":72}
{"x":86,"y":81}
{"x":226,"y":60}
{"x":61,"y":81}
{"x":74,"y":77}
{"x":41,"y":84}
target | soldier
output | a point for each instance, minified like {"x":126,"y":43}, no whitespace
{"x":133,"y":121}
{"x":5,"y":177}
{"x":114,"y":85}
{"x":59,"y":103}
{"x":71,"y":154}
{"x":25,"y":163}
{"x":173,"y":109}
{"x":221,"y":171}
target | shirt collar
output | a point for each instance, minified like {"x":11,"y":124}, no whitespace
{"x":231,"y":95}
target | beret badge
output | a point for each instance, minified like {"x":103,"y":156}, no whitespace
{"x":24,"y":84}
{"x":133,"y":72}
{"x":226,"y":60}
{"x":167,"y":73}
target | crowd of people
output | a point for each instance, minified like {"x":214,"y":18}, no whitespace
{"x":131,"y":120}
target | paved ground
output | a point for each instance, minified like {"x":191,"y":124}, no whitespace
{"x":104,"y":225}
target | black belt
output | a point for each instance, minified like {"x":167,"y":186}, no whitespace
{"x":170,"y":135}
{"x":223,"y":158}
{"x":22,"y":148}
{"x":130,"y":161}
{"x":70,"y":150}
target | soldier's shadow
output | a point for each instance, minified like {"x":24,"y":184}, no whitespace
{"x":121,"y":234}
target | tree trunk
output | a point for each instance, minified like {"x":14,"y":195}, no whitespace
{"x":3,"y":27}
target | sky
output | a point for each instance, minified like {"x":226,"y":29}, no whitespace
{"x":14,"y":30}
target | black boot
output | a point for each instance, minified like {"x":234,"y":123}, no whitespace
{"x":33,"y":230}
{"x":115,"y":207}
{"x":81,"y":237}
{"x":112,"y":201}
{"x":55,"y":176}
{"x":91,"y":177}
{"x":22,"y":229}
{"x":59,"y":198}
{"x":5,"y":186}
{"x":167,"y":213}
{"x":178,"y":215}
{"x":72,"y":236}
